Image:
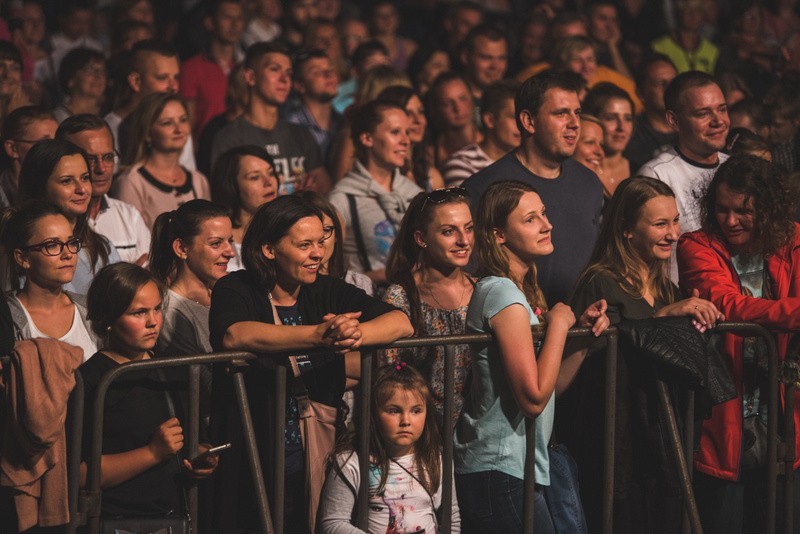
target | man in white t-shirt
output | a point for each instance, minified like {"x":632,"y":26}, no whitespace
{"x":698,"y":113}
{"x":117,"y":221}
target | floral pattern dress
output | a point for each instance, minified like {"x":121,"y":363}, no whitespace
{"x":430,"y":360}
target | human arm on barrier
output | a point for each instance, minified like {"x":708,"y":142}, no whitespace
{"x":703,"y":312}
{"x":532,"y":382}
{"x":386,"y":328}
{"x":704,"y":268}
{"x":338,"y":332}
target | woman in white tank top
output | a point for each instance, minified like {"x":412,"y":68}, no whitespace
{"x":43,"y":252}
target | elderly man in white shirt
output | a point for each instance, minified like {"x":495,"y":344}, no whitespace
{"x":118,"y":221}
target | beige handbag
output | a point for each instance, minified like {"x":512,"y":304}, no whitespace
{"x":318,"y":429}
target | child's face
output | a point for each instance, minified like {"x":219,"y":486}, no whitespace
{"x":402,"y":421}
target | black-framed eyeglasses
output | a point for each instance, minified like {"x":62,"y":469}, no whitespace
{"x":54,"y":247}
{"x":327,"y":232}
{"x":107,"y":159}
{"x":437,"y":196}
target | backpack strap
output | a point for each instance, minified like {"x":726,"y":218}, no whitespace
{"x":360,"y":246}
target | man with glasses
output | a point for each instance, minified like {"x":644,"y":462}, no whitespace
{"x":118,"y":221}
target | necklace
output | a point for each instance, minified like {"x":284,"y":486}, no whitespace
{"x":460,"y":300}
{"x":186,"y":294}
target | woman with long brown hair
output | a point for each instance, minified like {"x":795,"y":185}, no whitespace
{"x":629,"y":268}
{"x":510,"y":379}
{"x":57,"y":172}
{"x":427,"y":272}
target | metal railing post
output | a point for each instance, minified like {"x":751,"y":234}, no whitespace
{"x":668,"y":413}
{"x":610,"y":433}
{"x":789,"y":450}
{"x":279,"y":450}
{"x":193,"y":439}
{"x":447,"y":435}
{"x":772,"y":436}
{"x":76,"y":406}
{"x":688,"y":448}
{"x":251,"y":447}
{"x":365,"y":386}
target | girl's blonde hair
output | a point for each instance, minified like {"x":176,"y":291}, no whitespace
{"x":427,"y":449}
{"x":496,"y":204}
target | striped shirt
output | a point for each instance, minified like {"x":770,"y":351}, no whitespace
{"x":464,"y":163}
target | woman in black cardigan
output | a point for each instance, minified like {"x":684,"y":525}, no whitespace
{"x":282,"y":252}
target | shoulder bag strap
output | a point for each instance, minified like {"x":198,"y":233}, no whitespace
{"x":430,"y":495}
{"x":360,"y":246}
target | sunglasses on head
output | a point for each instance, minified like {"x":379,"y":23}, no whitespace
{"x":437,"y":196}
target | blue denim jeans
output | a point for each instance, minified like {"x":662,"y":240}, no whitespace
{"x":563,"y":495}
{"x":492,"y":501}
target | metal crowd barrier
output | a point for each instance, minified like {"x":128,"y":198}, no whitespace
{"x":86,"y":510}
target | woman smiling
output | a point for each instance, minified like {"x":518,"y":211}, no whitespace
{"x":280,"y":301}
{"x":746,"y":260}
{"x":630,"y":269}
{"x":243,"y":180}
{"x":373,"y":197}
{"x":57,"y":172}
{"x":426,"y":267}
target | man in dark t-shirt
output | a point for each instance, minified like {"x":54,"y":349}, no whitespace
{"x":268,"y":76}
{"x":547,"y":110}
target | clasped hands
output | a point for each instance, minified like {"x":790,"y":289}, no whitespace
{"x":341,"y":332}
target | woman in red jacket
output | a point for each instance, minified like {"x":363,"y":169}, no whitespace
{"x":746,"y":260}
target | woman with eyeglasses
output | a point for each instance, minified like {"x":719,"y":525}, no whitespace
{"x":244,"y":179}
{"x":375,"y":195}
{"x":154,"y":180}
{"x":333,"y":263}
{"x":57,"y":172}
{"x":42,"y":250}
{"x":426,"y":270}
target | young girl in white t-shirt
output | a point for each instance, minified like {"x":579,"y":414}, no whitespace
{"x":405,"y":478}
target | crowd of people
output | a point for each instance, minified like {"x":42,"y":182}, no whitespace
{"x":317,"y":175}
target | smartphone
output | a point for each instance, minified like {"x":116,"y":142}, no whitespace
{"x":213,"y":450}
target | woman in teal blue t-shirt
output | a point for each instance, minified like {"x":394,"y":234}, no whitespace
{"x":508,"y":382}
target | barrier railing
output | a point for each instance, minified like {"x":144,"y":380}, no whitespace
{"x":271,"y":513}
